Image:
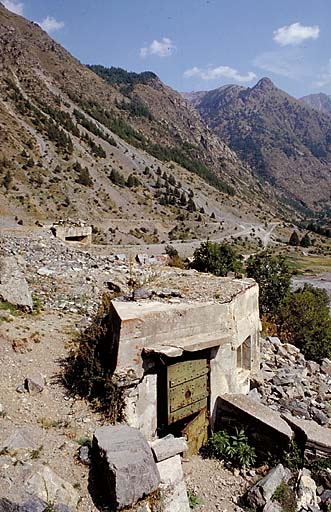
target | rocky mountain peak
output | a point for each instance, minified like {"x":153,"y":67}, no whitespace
{"x":265,"y":84}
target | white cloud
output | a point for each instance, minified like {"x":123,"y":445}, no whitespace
{"x":50,"y":24}
{"x":219,"y":72}
{"x":295,"y":34}
{"x":14,"y":6}
{"x":288,"y":62}
{"x":163,"y":48}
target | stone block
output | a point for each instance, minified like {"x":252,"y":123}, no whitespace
{"x":126,"y":465}
{"x":262,"y":491}
{"x":173,"y":488}
{"x":13,"y":285}
{"x":264,"y":426}
{"x":168,"y":447}
{"x":317,"y":438}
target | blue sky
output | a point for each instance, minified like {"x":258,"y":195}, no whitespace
{"x":197,"y":44}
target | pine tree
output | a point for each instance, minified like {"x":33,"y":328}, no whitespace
{"x":294,"y":239}
{"x":305,"y":241}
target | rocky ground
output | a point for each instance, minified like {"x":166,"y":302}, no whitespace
{"x":212,"y":487}
{"x":292,"y":384}
{"x":66,"y":284}
{"x":42,"y":424}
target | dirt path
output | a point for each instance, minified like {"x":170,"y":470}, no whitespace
{"x":212,"y":487}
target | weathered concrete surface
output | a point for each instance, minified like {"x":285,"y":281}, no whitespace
{"x":13,"y":285}
{"x":265,"y":426}
{"x":173,"y":488}
{"x":262,"y":491}
{"x":317,"y":439}
{"x":142,"y":332}
{"x":126,"y":467}
{"x":154,"y":326}
{"x":168,"y":447}
{"x":72,"y":233}
{"x":141,"y":406}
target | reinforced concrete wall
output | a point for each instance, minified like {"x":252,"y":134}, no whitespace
{"x":81,"y":234}
{"x":228,"y":332}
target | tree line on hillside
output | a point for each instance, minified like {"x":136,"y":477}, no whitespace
{"x":295,"y":240}
{"x":300,"y":317}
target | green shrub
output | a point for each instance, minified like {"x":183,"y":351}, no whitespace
{"x":305,"y":321}
{"x":232,"y":448}
{"x":218,"y":259}
{"x":273,"y":277}
{"x":286,"y":497}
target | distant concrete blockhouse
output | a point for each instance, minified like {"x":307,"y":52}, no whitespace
{"x":176,"y":359}
{"x":73,"y":233}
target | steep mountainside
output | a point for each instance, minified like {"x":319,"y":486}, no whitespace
{"x":285,"y":141}
{"x":75,"y":144}
{"x":320,"y":102}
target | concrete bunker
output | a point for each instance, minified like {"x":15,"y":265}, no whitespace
{"x":74,"y":232}
{"x":175,"y":360}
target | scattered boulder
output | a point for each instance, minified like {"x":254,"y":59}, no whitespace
{"x":142,"y":293}
{"x":262,"y":491}
{"x":44,"y":484}
{"x":124,"y":464}
{"x":26,"y":438}
{"x":84,"y":455}
{"x":326,"y":366}
{"x":34,"y":383}
{"x":31,"y":505}
{"x":306,"y":491}
{"x":13,"y":285}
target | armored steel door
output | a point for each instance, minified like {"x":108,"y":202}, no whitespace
{"x":187,"y":395}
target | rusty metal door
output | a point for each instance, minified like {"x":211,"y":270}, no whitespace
{"x":187,"y":388}
{"x":196,"y":433}
{"x":187,"y":394}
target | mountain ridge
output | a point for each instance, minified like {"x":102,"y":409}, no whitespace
{"x":283,"y":139}
{"x":73,"y":145}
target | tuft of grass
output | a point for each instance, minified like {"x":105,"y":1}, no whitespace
{"x":84,"y":441}
{"x":35,"y":454}
{"x":286,"y":497}
{"x":47,"y":423}
{"x":38,"y":305}
{"x":7,"y":306}
{"x":193,"y":499}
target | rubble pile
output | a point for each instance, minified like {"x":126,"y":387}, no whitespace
{"x":290,"y":383}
